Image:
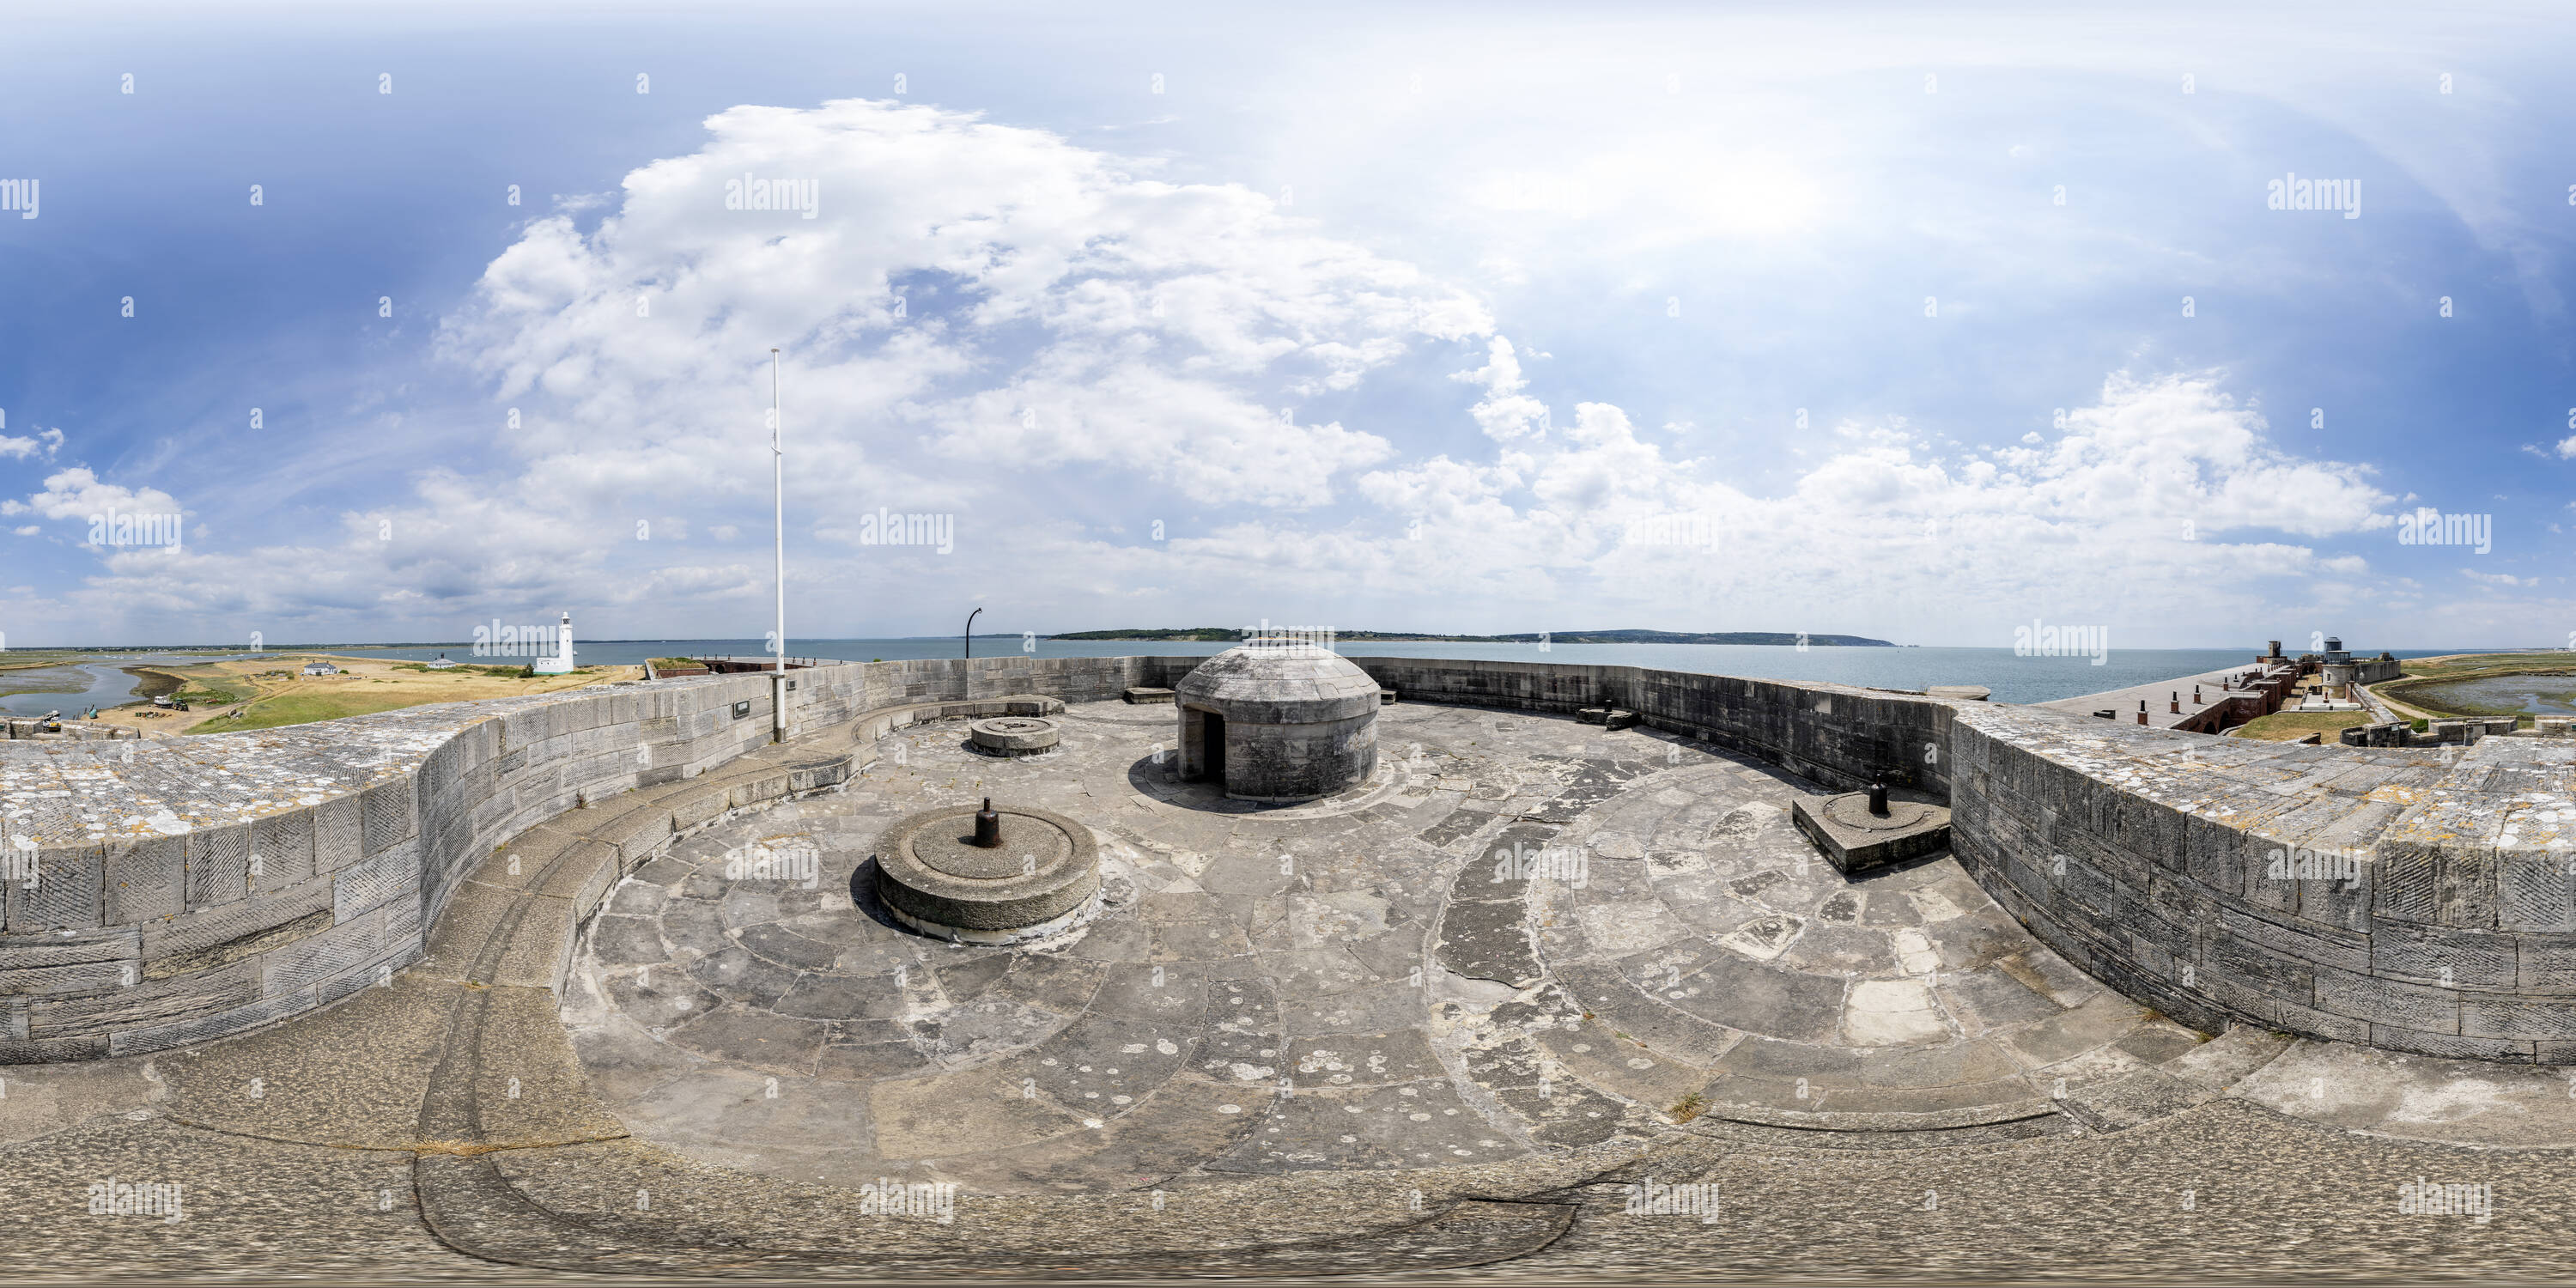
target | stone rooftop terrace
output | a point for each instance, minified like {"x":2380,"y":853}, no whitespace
{"x":2140,"y":854}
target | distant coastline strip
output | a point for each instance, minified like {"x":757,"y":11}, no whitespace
{"x":1220,"y":634}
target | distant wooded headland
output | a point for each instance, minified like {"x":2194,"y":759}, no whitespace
{"x":1220,"y":634}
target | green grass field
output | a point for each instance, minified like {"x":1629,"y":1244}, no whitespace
{"x":305,"y":708}
{"x":366,"y":689}
{"x":2476,"y":664}
{"x":198,"y":686}
{"x":22,"y":659}
{"x":2290,"y":726}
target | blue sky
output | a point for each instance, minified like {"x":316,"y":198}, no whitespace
{"x":1456,"y":319}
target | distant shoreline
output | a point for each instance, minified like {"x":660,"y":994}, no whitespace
{"x":35,"y":655}
{"x":1455,"y":639}
{"x":1226,"y":635}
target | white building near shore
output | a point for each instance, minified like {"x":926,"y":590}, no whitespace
{"x":560,"y":663}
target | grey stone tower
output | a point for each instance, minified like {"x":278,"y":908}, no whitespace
{"x":1278,"y":720}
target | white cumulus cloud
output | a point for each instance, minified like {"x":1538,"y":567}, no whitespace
{"x":78,"y":493}
{"x":968,"y":292}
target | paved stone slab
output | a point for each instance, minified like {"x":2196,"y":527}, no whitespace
{"x":1324,"y":949}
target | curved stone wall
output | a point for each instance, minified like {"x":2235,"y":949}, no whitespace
{"x":188,"y":888}
{"x":2417,"y":900}
{"x":1835,"y":734}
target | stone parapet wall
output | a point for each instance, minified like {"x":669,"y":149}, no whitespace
{"x":189,"y":888}
{"x":2416,"y":900}
{"x":2442,"y":919}
{"x":66,"y":730}
{"x":1838,"y":735}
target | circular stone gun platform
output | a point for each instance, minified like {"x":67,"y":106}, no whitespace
{"x":1863,"y":831}
{"x":936,"y":873}
{"x":1013,"y":736}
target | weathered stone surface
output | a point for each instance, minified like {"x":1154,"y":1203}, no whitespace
{"x":218,"y":870}
{"x":371,"y":883}
{"x":2387,"y":1002}
{"x":148,"y":1002}
{"x":2457,"y":891}
{"x":146,"y":879}
{"x":282,"y":850}
{"x":1355,"y":966}
{"x":68,"y":894}
{"x":233,"y":950}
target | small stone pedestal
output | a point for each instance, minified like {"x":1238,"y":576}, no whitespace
{"x":1147,"y":697}
{"x":1856,"y":840}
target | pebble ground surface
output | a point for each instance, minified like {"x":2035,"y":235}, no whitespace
{"x":1538,"y":1003}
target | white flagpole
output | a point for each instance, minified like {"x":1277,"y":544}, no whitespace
{"x":778,"y":500}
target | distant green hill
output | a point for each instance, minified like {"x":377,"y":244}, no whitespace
{"x":1207,"y":633}
{"x":1223,"y":634}
{"x":1702,"y":637}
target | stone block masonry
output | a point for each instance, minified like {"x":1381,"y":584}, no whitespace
{"x":2417,"y":899}
{"x":65,"y":730}
{"x":184,"y":889}
{"x":167,"y":892}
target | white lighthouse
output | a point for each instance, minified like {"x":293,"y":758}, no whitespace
{"x":561,"y":662}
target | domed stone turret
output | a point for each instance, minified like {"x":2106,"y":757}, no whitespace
{"x":1278,"y":720}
